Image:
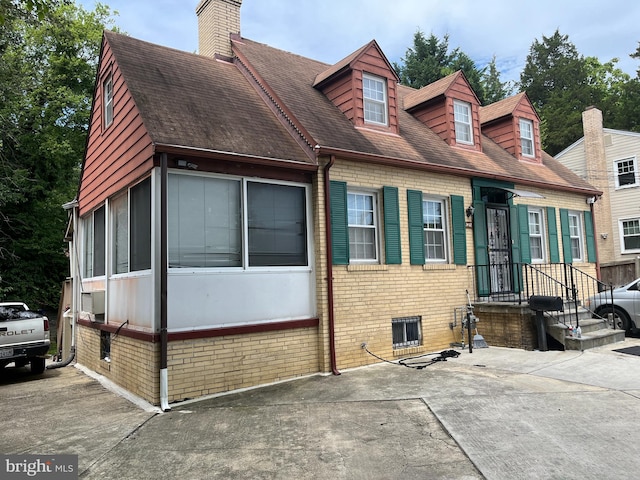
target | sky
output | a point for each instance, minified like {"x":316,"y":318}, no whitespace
{"x":329,"y":30}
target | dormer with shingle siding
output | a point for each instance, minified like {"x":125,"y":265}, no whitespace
{"x":514,"y":125}
{"x":364,"y":87}
{"x":450,"y":108}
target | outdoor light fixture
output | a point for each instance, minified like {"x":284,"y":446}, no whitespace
{"x":470,"y":211}
{"x":184,"y":164}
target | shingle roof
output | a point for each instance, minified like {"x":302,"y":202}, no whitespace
{"x":500,"y":109}
{"x":198,"y":102}
{"x":429,"y":92}
{"x":292,"y":78}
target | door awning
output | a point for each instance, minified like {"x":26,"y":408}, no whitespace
{"x":522,"y":193}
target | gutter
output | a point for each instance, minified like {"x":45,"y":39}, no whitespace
{"x":164,"y":376}
{"x":327,"y":221}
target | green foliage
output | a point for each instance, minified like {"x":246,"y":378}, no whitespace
{"x":430,"y":59}
{"x":47,"y":73}
{"x":494,"y":89}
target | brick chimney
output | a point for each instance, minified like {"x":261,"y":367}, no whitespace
{"x":598,"y":172}
{"x":217,"y":19}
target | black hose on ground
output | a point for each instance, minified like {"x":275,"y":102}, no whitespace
{"x":72,"y":355}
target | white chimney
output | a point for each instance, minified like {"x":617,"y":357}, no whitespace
{"x":217,"y":20}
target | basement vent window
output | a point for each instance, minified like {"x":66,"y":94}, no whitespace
{"x":407,"y":331}
{"x":105,"y":346}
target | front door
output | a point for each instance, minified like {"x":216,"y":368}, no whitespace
{"x":499,"y":248}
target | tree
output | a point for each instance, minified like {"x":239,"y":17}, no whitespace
{"x":556,"y":79}
{"x":494,"y":89}
{"x":430,"y":59}
{"x":47,"y":72}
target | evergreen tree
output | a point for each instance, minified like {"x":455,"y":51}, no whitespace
{"x":494,"y":89}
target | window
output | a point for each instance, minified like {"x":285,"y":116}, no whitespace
{"x":214,"y":221}
{"x":462,"y":120}
{"x":575,"y":233}
{"x":105,"y":346}
{"x":406,"y":331}
{"x":435,"y":237}
{"x":277,"y":225}
{"x":362,"y":218}
{"x":374,"y":91}
{"x":630,"y":235}
{"x":536,"y":235}
{"x":626,"y":173}
{"x":107,"y":89}
{"x":94,"y":244}
{"x":526,"y":138}
{"x":132,"y":229}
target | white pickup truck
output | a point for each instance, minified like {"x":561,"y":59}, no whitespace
{"x":24,"y":336}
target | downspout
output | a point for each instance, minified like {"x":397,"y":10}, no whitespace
{"x":595,"y":238}
{"x":327,"y":221}
{"x":164,"y":376}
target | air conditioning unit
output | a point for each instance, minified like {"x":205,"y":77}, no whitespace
{"x":93,"y":302}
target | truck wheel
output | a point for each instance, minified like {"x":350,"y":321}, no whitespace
{"x":37,"y":365}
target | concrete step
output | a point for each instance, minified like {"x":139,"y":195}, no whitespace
{"x":594,"y":339}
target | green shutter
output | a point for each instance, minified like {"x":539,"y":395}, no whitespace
{"x":393,"y":252}
{"x":523,"y":232}
{"x":481,"y":248}
{"x":416,"y":227}
{"x":590,"y":238}
{"x":552,"y":232}
{"x":339,"y":225}
{"x":516,"y":247}
{"x":459,"y":230}
{"x":566,"y":236}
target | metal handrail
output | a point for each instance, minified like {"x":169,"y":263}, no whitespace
{"x":551,"y":279}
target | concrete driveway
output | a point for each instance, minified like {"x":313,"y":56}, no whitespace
{"x":496,"y":413}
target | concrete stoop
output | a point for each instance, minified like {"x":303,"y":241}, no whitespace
{"x":595,"y":331}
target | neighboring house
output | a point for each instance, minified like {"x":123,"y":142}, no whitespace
{"x":608,"y":159}
{"x":248,"y":215}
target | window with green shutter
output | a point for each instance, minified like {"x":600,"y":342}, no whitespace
{"x":458,"y":223}
{"x":589,"y":237}
{"x":416,"y":229}
{"x":392,"y":247}
{"x":339,"y":225}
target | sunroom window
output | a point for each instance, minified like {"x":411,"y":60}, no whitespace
{"x":94,"y":243}
{"x":374,"y":90}
{"x":231,"y":222}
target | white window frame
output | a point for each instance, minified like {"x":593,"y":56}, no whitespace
{"x":107,"y":90}
{"x":577,"y":236}
{"x":463,"y":122}
{"x":406,"y":342}
{"x":354,"y":227}
{"x":539,"y":235}
{"x":244,"y":264}
{"x":621,"y":226}
{"x":629,"y":162}
{"x":90,"y":240}
{"x":444,"y":230}
{"x":375,"y":99}
{"x":527,"y":144}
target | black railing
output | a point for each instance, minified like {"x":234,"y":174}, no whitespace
{"x":517,"y":282}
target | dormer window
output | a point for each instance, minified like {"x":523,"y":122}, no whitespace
{"x":526,"y":138}
{"x":374,"y":91}
{"x":462,"y":119}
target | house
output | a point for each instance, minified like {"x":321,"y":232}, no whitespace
{"x":608,"y":159}
{"x":247,"y":215}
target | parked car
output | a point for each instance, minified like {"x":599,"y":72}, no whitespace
{"x":24,"y":336}
{"x":622,"y":304}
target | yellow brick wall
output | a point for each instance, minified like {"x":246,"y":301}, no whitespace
{"x":134,"y":363}
{"x":211,"y":365}
{"x":367,"y":297}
